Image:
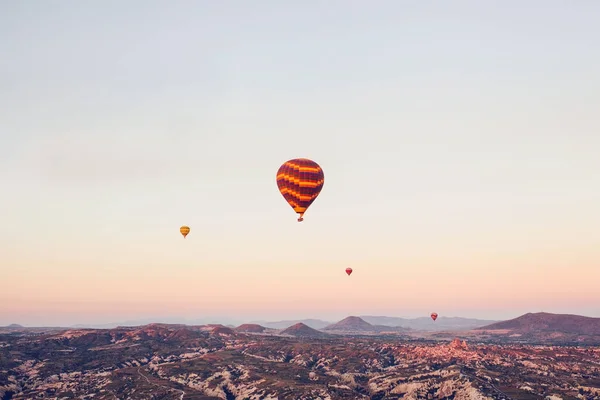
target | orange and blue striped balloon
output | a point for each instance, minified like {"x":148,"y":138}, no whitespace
{"x":300,"y":181}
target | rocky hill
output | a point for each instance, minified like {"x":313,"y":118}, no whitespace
{"x":223,"y":330}
{"x":250,"y":328}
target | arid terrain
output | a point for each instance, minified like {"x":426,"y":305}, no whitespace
{"x":160,"y":361}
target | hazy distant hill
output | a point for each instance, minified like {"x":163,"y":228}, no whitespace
{"x":351,"y":324}
{"x":547,"y":323}
{"x":302,"y":330}
{"x":427,"y":324}
{"x":313,"y":323}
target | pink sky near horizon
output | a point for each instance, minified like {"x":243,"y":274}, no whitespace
{"x":460,"y":178}
{"x":270,"y":265}
{"x":81,"y":291}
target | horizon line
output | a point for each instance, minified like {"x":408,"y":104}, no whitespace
{"x":224,"y":320}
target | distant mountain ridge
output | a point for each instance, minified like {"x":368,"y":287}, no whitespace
{"x":427,"y":324}
{"x":543,"y":328}
{"x":421,"y":323}
{"x":312,"y":323}
{"x":545,"y":322}
{"x":165,"y":320}
{"x":530,"y":322}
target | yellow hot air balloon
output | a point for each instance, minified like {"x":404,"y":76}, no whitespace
{"x":184,"y":230}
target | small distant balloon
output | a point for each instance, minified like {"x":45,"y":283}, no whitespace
{"x":348,"y":271}
{"x":434,"y":316}
{"x":184,"y":230}
{"x":300,"y":181}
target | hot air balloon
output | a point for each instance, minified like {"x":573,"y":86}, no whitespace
{"x":300,"y":181}
{"x":434,"y":316}
{"x":184,"y":230}
{"x":348,"y":271}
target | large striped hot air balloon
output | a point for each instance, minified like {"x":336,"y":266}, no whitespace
{"x":434,"y":316}
{"x":300,"y":181}
{"x":184,"y":230}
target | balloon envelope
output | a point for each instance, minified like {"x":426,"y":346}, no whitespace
{"x":184,"y":230}
{"x":348,"y":271}
{"x":300,"y":181}
{"x":434,"y":316}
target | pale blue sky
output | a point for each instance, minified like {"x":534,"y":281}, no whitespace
{"x":460,"y":142}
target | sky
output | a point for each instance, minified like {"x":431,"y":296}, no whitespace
{"x":459,"y":140}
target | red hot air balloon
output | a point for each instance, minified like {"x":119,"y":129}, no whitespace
{"x":434,"y":316}
{"x":300,"y":181}
{"x":348,"y":271}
